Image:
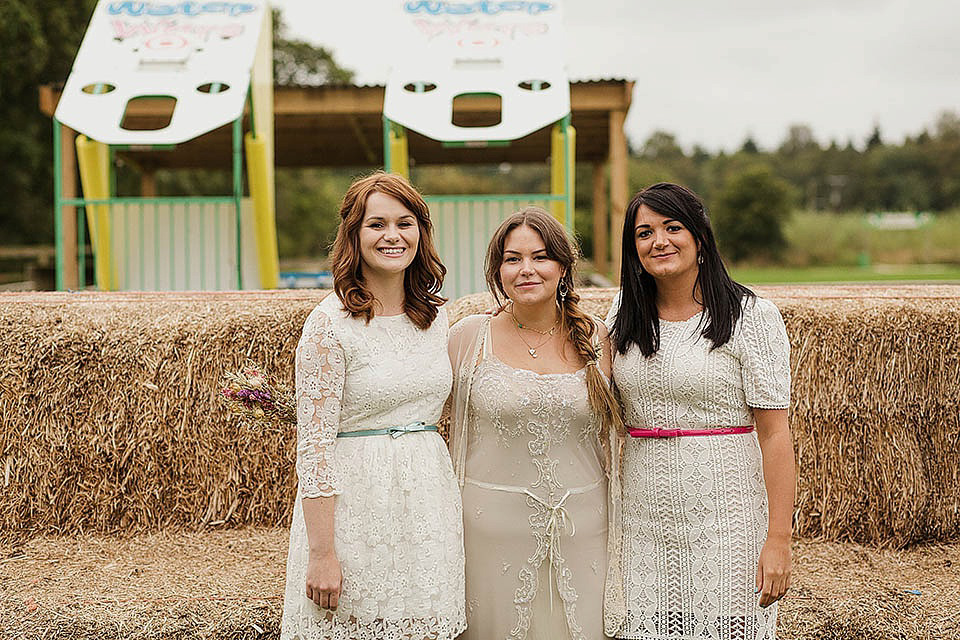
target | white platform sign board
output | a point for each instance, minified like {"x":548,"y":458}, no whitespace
{"x":199,"y":53}
{"x":510,"y":48}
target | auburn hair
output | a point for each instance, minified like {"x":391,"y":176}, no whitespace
{"x":421,"y":280}
{"x":579,"y":328}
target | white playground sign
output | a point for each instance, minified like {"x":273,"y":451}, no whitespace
{"x":513,"y":49}
{"x":198,"y":53}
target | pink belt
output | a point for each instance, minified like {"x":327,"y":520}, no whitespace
{"x":673,"y":433}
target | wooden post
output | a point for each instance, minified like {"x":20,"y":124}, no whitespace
{"x":601,"y":219}
{"x":618,"y":186}
{"x":68,"y":156}
{"x":148,"y":182}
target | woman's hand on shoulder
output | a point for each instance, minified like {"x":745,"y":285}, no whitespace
{"x":606,"y":355}
{"x":324,"y":579}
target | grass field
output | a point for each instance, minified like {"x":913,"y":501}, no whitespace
{"x":913,"y":273}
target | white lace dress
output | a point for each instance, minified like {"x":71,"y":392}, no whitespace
{"x":398,"y":520}
{"x":695,"y":507}
{"x":534,"y":502}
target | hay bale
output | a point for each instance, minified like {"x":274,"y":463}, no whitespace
{"x":229,"y":584}
{"x":110,"y":418}
{"x":110,"y":421}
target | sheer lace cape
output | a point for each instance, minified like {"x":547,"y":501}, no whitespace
{"x":466,"y":346}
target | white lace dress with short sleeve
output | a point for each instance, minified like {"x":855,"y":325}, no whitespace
{"x":398,"y":529}
{"x":695,"y":507}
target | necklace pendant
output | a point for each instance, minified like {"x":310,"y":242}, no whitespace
{"x":533,"y":352}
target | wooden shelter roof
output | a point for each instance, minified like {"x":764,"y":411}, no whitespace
{"x":333,"y":126}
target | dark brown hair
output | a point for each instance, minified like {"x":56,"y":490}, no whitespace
{"x":421,"y":280}
{"x":579,"y":327}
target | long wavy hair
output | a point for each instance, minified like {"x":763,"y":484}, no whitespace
{"x":579,"y":328}
{"x":421,"y":280}
{"x":637,"y":321}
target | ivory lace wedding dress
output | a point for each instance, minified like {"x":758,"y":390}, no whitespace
{"x":695,"y":507}
{"x":534,"y":498}
{"x":398,"y":519}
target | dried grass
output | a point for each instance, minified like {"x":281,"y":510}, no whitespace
{"x":229,"y":584}
{"x":110,"y":421}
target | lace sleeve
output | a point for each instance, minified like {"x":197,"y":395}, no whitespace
{"x":765,"y":356}
{"x":614,"y":308}
{"x":320,"y":372}
{"x":464,"y":349}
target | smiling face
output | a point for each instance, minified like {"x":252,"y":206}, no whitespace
{"x":528,"y":275}
{"x":665,"y":247}
{"x":389,"y":235}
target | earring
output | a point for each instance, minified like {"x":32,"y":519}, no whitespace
{"x":562,"y":291}
{"x":699,"y":258}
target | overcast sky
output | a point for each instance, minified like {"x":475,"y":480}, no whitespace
{"x":714,"y":71}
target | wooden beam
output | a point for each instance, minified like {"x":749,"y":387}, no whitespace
{"x":327,"y":100}
{"x":601,"y":219}
{"x":148,"y":182}
{"x":68,"y":220}
{"x":365,"y":145}
{"x":618,"y":186}
{"x":588,"y":96}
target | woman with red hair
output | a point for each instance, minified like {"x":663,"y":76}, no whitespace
{"x":376,"y":542}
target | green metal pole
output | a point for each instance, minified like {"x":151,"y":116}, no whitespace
{"x":58,"y":207}
{"x":238,"y":192}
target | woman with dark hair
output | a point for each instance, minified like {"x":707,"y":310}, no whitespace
{"x":702,"y":367}
{"x":530,"y":437}
{"x":376,"y":542}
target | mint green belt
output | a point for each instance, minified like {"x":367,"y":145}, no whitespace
{"x":393,"y":432}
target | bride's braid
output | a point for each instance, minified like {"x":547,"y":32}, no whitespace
{"x":582,"y":332}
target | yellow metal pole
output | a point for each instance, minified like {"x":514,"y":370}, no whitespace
{"x":93,"y":159}
{"x":563,"y":141}
{"x":264,"y":216}
{"x":558,"y":179}
{"x":399,"y":151}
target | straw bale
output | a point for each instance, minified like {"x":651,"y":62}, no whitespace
{"x":229,"y":584}
{"x":110,"y":420}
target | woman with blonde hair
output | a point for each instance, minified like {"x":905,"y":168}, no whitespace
{"x":376,"y":546}
{"x":533,"y":424}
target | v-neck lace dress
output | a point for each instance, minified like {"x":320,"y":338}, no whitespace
{"x":398,"y":519}
{"x":695,"y":507}
{"x":535,"y":506}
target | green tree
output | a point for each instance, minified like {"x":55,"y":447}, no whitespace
{"x":749,"y":146}
{"x":300,"y":63}
{"x":749,"y":214}
{"x":875,"y":140}
{"x":38,"y":42}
